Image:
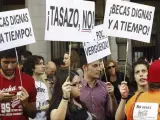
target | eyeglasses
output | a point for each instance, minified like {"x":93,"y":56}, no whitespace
{"x":109,"y":67}
{"x":77,"y":84}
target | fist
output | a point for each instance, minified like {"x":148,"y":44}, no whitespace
{"x":109,"y":87}
{"x":123,"y":88}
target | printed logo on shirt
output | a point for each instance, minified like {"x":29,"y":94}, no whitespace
{"x":12,"y":108}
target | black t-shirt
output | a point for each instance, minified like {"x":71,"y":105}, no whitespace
{"x":78,"y":114}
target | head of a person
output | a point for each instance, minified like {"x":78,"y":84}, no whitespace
{"x":92,"y":70}
{"x":110,"y":67}
{"x":153,"y":76}
{"x":73,"y":61}
{"x":8,"y":62}
{"x":50,"y":68}
{"x":34,"y":65}
{"x":61,"y":77}
{"x":140,"y":72}
{"x":25,"y":55}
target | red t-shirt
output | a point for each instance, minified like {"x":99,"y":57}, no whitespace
{"x":13,"y":110}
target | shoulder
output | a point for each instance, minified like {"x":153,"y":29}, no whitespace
{"x":27,"y":78}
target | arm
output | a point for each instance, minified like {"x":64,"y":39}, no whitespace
{"x":29,"y":109}
{"x":112,"y":102}
{"x":120,"y":113}
{"x":60,"y":113}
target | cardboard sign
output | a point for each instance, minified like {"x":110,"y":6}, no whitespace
{"x":69,"y":20}
{"x":145,"y":111}
{"x":99,"y":48}
{"x":128,"y":20}
{"x":15,"y":29}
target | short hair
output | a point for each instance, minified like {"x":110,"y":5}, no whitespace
{"x":10,"y":53}
{"x":26,"y":54}
{"x":30,"y":63}
{"x":140,"y":61}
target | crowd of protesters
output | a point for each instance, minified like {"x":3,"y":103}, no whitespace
{"x":31,"y":89}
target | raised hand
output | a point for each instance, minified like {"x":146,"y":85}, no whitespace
{"x":123,"y":88}
{"x":66,"y":87}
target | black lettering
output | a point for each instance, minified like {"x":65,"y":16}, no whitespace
{"x":61,"y":16}
{"x":76,"y":15}
{"x":1,"y":38}
{"x":65,"y":18}
{"x":52,"y":9}
{"x":56,"y":17}
{"x":116,"y":25}
{"x":110,"y":22}
{"x":71,"y":14}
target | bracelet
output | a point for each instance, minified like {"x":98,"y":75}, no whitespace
{"x":124,"y":98}
{"x":65,"y":98}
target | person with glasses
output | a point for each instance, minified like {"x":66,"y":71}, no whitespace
{"x":65,"y":103}
{"x":17,"y":90}
{"x":97,"y":95}
{"x":114,"y":76}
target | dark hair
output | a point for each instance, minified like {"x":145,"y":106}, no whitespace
{"x":30,"y":63}
{"x":58,"y":93}
{"x":154,"y":86}
{"x":26,"y":54}
{"x":138,"y":62}
{"x":10,"y":53}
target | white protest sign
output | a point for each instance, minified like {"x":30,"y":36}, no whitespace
{"x":128,"y":20}
{"x":15,"y":29}
{"x":145,"y":111}
{"x":69,"y":20}
{"x":99,"y":48}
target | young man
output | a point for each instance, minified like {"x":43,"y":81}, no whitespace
{"x":17,"y":96}
{"x":34,"y":66}
{"x":140,"y":72}
{"x":97,"y":95}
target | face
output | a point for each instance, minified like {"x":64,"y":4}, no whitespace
{"x":39,"y":68}
{"x":76,"y":86}
{"x":66,"y":60}
{"x":140,"y":74}
{"x":50,"y":70}
{"x":111,"y":68}
{"x":93,"y":70}
{"x":8,"y":66}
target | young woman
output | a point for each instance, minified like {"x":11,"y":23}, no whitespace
{"x":65,"y":100}
{"x":140,"y":72}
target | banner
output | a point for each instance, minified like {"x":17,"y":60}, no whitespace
{"x":129,"y":20}
{"x":15,"y":29}
{"x":99,"y":48}
{"x":69,"y":20}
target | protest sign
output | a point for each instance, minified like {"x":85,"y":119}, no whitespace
{"x":128,"y":20}
{"x":15,"y":29}
{"x":69,"y":20}
{"x":99,"y":48}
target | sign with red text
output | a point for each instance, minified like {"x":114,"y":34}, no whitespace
{"x":69,"y":20}
{"x":15,"y":29}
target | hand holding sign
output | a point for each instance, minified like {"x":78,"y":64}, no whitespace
{"x":66,"y":87}
{"x":123,"y":88}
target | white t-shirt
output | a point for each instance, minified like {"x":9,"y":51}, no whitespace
{"x":41,"y":99}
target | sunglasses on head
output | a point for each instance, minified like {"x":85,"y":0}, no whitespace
{"x":109,"y":67}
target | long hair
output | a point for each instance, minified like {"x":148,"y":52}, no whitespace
{"x":58,"y":93}
{"x":74,"y":60}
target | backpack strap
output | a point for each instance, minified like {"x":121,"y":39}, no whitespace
{"x":132,"y":108}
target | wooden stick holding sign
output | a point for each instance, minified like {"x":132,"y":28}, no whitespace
{"x":18,"y":67}
{"x":69,"y":67}
{"x":104,"y":70}
{"x":125,"y":72}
